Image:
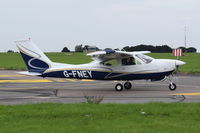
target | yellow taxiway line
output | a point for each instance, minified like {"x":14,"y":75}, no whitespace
{"x":26,"y":81}
{"x":3,"y":76}
{"x":58,"y":80}
{"x":188,"y":94}
{"x":42,"y":80}
{"x":72,"y":80}
{"x":87,"y":80}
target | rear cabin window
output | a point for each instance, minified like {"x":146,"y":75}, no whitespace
{"x":112,"y":62}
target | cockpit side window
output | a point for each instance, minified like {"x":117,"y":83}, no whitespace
{"x":128,"y":61}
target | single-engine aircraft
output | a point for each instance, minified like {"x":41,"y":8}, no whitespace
{"x":106,"y":65}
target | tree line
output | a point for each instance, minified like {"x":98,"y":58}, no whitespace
{"x":142,"y":47}
{"x":153,"y":49}
{"x":157,"y":49}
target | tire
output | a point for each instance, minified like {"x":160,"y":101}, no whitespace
{"x":127,"y":85}
{"x":119,"y":87}
{"x":172,"y":87}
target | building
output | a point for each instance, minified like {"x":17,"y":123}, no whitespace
{"x":89,"y":49}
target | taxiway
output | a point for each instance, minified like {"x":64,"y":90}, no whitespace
{"x":20,"y":89}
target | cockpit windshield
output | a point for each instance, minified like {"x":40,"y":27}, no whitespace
{"x":146,"y":59}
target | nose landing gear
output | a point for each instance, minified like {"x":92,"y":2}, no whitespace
{"x":127,"y":85}
{"x":172,"y":86}
{"x":171,"y":80}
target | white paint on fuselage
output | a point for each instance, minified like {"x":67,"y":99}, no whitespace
{"x":157,"y":65}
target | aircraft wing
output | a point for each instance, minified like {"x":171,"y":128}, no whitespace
{"x":113,"y":54}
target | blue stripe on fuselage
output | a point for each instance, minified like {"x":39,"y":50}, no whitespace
{"x":99,"y":75}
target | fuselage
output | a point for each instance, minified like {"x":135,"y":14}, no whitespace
{"x":128,"y":66}
{"x":157,"y":69}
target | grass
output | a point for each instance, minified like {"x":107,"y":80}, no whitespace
{"x":13,"y":61}
{"x":103,"y":118}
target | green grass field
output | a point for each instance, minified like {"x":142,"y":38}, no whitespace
{"x":13,"y":61}
{"x":103,"y":118}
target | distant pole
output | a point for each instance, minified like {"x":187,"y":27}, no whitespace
{"x":185,"y":39}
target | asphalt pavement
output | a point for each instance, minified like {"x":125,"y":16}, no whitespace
{"x":21,"y":89}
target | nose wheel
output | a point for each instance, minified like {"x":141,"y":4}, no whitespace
{"x":172,"y":86}
{"x":127,"y":85}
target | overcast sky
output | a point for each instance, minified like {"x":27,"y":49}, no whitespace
{"x":53,"y":24}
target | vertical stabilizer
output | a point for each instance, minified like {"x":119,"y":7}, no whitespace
{"x":34,"y":58}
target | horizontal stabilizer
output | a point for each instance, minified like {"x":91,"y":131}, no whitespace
{"x":30,"y":73}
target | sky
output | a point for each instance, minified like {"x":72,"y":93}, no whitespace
{"x":54,"y":24}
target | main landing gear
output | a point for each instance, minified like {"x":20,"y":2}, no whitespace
{"x":127,"y":85}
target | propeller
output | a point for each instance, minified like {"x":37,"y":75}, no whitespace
{"x":178,"y":63}
{"x":176,"y":71}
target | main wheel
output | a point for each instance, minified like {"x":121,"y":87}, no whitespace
{"x":172,"y":87}
{"x":119,"y":87}
{"x":127,"y":85}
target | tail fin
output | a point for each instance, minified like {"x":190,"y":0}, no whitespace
{"x":34,"y":58}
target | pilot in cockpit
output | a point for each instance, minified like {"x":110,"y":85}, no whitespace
{"x":128,"y":61}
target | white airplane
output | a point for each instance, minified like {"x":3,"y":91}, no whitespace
{"x":106,"y":65}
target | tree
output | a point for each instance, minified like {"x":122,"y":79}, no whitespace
{"x":79,"y":48}
{"x":163,"y":49}
{"x":183,"y":49}
{"x":191,"y":50}
{"x":126,"y":48}
{"x":142,"y":47}
{"x":108,"y":49}
{"x":65,"y":49}
{"x":157,"y":49}
{"x":10,"y":51}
